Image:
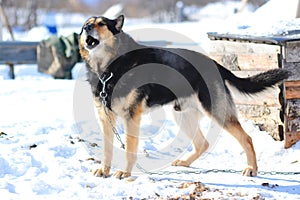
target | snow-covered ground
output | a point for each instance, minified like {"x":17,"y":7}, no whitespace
{"x":46,"y":153}
{"x":50,"y":140}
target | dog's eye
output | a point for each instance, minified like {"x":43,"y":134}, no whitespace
{"x":101,"y":24}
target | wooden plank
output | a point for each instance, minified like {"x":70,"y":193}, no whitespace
{"x":246,"y":38}
{"x":253,"y":62}
{"x":257,"y":101}
{"x":293,"y":109}
{"x":292,"y":83}
{"x":267,"y":118}
{"x":259,"y":111}
{"x":18,"y":52}
{"x":292,"y":92}
{"x":292,"y":89}
{"x":18,"y":43}
{"x":291,"y":138}
{"x":272,"y":40}
{"x":292,"y":51}
{"x":292,"y":123}
{"x":223,"y":47}
{"x":258,"y":61}
{"x":294,"y":68}
{"x":3,"y":17}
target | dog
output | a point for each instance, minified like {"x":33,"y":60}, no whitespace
{"x":128,"y":79}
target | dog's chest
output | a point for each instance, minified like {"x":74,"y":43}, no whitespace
{"x":99,"y":59}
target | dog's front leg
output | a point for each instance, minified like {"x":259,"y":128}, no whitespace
{"x":108,"y":138}
{"x":132,"y":126}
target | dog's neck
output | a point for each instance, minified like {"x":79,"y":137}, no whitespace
{"x":110,"y":50}
{"x":125,"y":44}
{"x":99,"y":60}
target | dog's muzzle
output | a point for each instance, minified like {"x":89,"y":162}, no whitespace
{"x":91,"y":42}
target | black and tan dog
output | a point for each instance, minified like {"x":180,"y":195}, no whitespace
{"x":138,"y":78}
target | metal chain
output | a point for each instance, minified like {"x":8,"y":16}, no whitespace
{"x":114,"y":129}
{"x":204,"y":171}
{"x":103,"y":94}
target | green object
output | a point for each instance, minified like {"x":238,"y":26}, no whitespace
{"x":58,"y":55}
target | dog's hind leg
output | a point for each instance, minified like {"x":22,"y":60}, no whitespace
{"x":233,"y":126}
{"x":223,"y":111}
{"x":189,"y":124}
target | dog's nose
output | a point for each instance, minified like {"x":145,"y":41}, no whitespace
{"x":88,"y":27}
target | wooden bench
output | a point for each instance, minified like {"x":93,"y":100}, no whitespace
{"x":21,"y":52}
{"x":17,"y":52}
{"x":245,"y":54}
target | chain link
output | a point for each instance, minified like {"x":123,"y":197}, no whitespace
{"x":114,"y":129}
{"x":204,"y":171}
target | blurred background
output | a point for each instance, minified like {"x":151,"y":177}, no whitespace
{"x":25,"y":14}
{"x":39,"y":20}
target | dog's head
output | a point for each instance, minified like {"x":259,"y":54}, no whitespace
{"x":97,"y":32}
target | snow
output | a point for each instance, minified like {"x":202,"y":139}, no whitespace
{"x":52,"y":140}
{"x":272,"y":18}
{"x":41,"y":113}
{"x":113,"y":11}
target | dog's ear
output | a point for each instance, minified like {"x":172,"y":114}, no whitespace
{"x":119,"y":22}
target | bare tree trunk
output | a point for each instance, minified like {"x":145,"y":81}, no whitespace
{"x":244,"y":3}
{"x":76,"y":5}
{"x":5,"y":20}
{"x":1,"y":38}
{"x":32,"y":15}
{"x":298,"y":10}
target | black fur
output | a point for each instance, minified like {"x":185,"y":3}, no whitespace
{"x":155,"y":94}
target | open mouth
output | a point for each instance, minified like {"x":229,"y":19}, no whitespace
{"x":91,"y":42}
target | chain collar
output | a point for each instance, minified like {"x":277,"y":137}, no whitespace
{"x":103,"y":94}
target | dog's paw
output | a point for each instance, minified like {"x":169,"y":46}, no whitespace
{"x":122,"y":174}
{"x":249,"y":171}
{"x":180,"y":163}
{"x":102,"y":172}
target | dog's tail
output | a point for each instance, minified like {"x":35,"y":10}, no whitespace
{"x":257,"y":83}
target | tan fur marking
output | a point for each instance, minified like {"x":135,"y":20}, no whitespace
{"x":235,"y":129}
{"x":91,"y":20}
{"x":84,"y":53}
{"x":121,"y":105}
{"x":98,"y":20}
{"x":105,"y":35}
{"x":104,"y":32}
{"x":132,"y":127}
{"x":138,"y":113}
{"x":132,"y":137}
